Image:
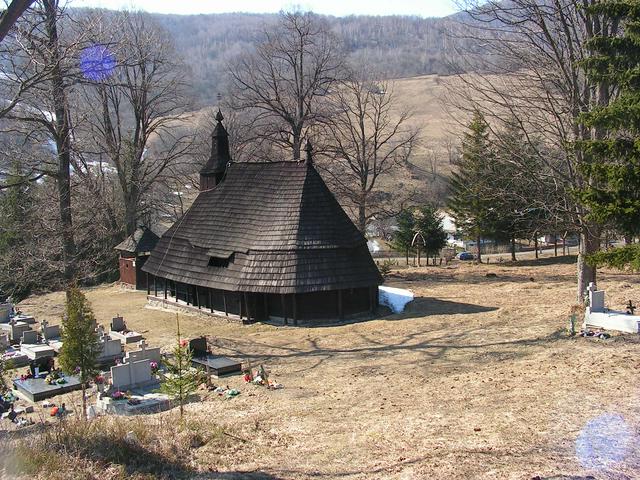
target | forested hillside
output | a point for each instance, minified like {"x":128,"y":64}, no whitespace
{"x":395,"y":46}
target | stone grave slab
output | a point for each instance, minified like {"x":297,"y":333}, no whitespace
{"x":218,"y":365}
{"x":126,"y":336}
{"x":16,"y":357}
{"x":36,"y":389}
{"x":28,"y":319}
{"x":37,"y":350}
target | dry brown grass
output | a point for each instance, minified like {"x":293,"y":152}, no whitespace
{"x":476,"y":380}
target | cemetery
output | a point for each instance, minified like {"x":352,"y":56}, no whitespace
{"x":469,"y":368}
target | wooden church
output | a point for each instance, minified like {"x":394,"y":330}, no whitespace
{"x":264,"y":241}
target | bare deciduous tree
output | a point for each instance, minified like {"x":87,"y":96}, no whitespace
{"x":136,"y":110}
{"x":366,"y":141}
{"x":286,"y":79}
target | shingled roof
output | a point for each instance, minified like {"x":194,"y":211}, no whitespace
{"x":276,"y":226}
{"x":142,"y":240}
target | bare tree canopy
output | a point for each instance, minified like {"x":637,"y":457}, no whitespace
{"x":285,"y":80}
{"x":366,"y":141}
{"x":135,"y":108}
{"x":10,"y":16}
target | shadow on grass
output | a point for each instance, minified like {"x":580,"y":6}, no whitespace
{"x":365,"y":347}
{"x":543,"y":262}
{"x":426,"y":306}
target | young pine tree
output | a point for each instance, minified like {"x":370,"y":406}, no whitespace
{"x":80,"y":347}
{"x":471,"y":193}
{"x":429,"y":224}
{"x":403,"y":236}
{"x":612,"y":159}
{"x":182,"y":380}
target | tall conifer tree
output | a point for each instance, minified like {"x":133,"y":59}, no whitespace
{"x":613,"y":159}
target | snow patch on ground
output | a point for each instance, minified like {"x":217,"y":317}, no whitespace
{"x":394,"y":298}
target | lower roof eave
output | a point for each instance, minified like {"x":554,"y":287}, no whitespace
{"x":281,"y":290}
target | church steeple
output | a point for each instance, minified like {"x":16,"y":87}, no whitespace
{"x":213,"y":172}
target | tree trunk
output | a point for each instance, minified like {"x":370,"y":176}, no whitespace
{"x":407,"y":256}
{"x":296,"y":144}
{"x":513,"y":248}
{"x":555,"y":244}
{"x":535,"y":245}
{"x":84,"y":401}
{"x":362,"y":215}
{"x":478,"y":250}
{"x":589,"y":242}
{"x":131,"y":211}
{"x":63,"y":143}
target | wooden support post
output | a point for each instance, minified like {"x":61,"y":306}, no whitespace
{"x":224,"y":302}
{"x":240,"y":303}
{"x":265,"y":298}
{"x":164,"y":282}
{"x":340,"y":307}
{"x":295,"y":309}
{"x":148,"y":286}
{"x":155,"y":286}
{"x":210,"y":302}
{"x":284,"y":309}
{"x":246,"y":304}
{"x":197,"y":288}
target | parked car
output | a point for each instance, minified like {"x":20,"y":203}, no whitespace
{"x":465,"y":256}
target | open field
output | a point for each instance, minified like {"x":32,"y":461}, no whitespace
{"x":478,"y":379}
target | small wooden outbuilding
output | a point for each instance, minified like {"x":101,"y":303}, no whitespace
{"x":264,"y":240}
{"x":134,"y":252}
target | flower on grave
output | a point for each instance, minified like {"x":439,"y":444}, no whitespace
{"x":76,"y":370}
{"x":99,"y":380}
{"x":117,"y":395}
{"x":183,"y":343}
{"x":154,"y":367}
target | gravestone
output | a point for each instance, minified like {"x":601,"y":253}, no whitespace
{"x":4,"y":340}
{"x":29,"y":337}
{"x":596,"y":299}
{"x":118,"y":324}
{"x":198,"y":347}
{"x":50,"y":332}
{"x":6,"y":309}
{"x":145,"y":353}
{"x":132,"y":375}
{"x":111,"y":350}
{"x":14,"y":329}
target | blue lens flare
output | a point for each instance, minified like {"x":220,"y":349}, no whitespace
{"x":605,"y":441}
{"x":97,"y":62}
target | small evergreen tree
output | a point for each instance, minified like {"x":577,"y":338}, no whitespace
{"x":182,"y":380}
{"x":429,"y":224}
{"x":403,"y":236}
{"x":81,"y":346}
